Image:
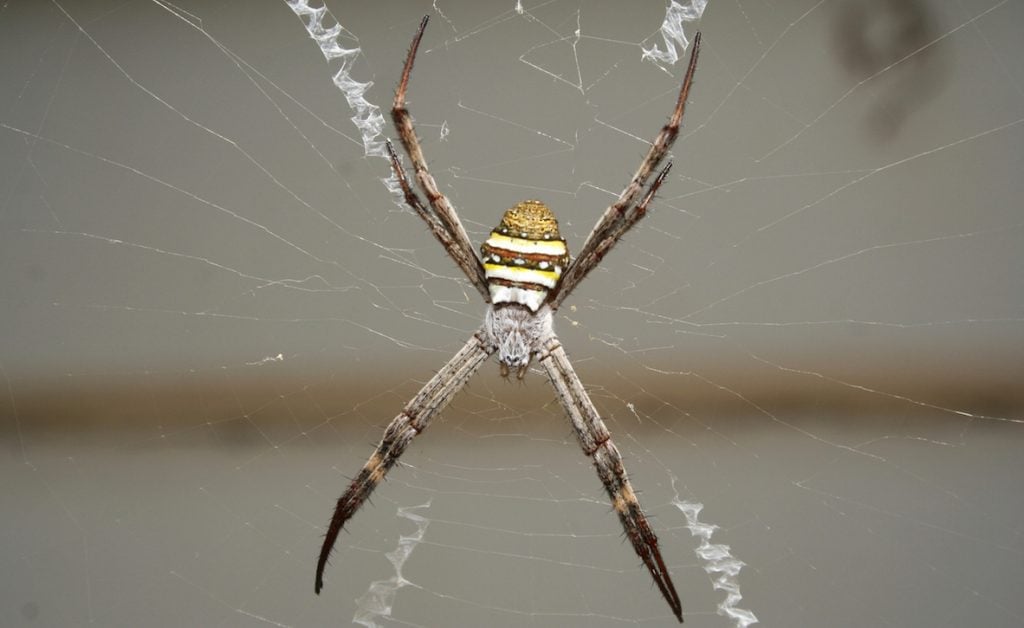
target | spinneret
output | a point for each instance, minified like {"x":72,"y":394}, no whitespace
{"x":524,"y":256}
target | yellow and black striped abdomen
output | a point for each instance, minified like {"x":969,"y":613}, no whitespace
{"x":525,"y":255}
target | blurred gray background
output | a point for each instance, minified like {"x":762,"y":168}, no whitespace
{"x":212,"y":307}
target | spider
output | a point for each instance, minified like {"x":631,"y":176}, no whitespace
{"x":523,"y":274}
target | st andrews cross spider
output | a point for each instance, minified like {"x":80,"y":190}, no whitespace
{"x":523,"y":273}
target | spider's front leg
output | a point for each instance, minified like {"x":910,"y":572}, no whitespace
{"x":595,"y":440}
{"x":410,"y":423}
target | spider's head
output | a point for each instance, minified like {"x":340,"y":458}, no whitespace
{"x":524,"y":256}
{"x":517,"y":333}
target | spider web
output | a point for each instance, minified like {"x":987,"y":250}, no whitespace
{"x":809,"y":352}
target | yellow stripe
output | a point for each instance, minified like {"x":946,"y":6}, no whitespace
{"x":522,"y":245}
{"x":522,"y":274}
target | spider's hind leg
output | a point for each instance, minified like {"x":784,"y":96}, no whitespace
{"x":442,"y":219}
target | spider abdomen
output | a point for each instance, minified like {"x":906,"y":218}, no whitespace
{"x":524,"y":256}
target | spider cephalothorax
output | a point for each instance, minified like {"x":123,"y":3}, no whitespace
{"x":524,"y":273}
{"x":517,"y":333}
{"x":523,"y":260}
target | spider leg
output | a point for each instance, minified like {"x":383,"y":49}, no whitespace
{"x":596,"y":442}
{"x":618,"y":218}
{"x":468,"y":265}
{"x":587,"y":262}
{"x":457,"y":243}
{"x":413,"y":419}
